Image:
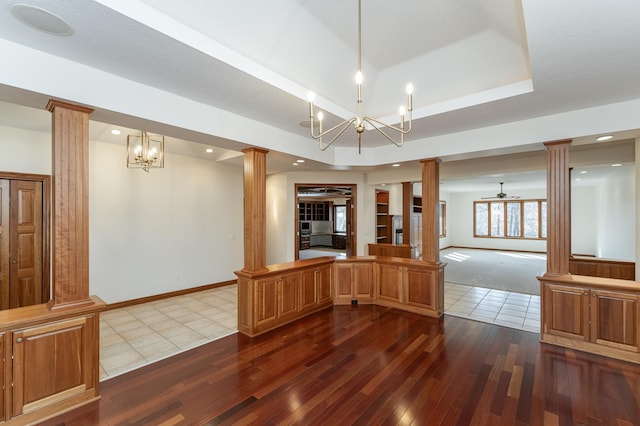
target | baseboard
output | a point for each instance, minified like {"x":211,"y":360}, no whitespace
{"x":494,"y":249}
{"x":155,"y":297}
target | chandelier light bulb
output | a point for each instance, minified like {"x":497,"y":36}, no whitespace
{"x":359,"y":77}
{"x":401,"y":110}
{"x":138,"y":149}
{"x":311,"y":97}
{"x":409,"y":89}
{"x":320,"y":115}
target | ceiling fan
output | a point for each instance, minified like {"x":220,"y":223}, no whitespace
{"x":501,"y":195}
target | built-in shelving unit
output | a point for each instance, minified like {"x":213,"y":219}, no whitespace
{"x":314,"y":211}
{"x":383,"y":220}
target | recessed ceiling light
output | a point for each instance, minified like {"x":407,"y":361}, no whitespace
{"x":578,"y":180}
{"x":616,"y":165}
{"x":116,"y":132}
{"x":41,"y":19}
{"x":395,"y":165}
{"x":299,"y":161}
{"x":208,"y":150}
{"x":604,"y":138}
{"x":582,"y":172}
{"x":296,"y":164}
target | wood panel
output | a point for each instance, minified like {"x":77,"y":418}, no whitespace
{"x":344,"y":283}
{"x":391,"y":250}
{"x":420,"y":289}
{"x":566,"y":312}
{"x":324,"y":284}
{"x":363,"y":282}
{"x":70,"y":225}
{"x":389,"y":283}
{"x":369,"y":365}
{"x":255,"y":225}
{"x":407,"y":200}
{"x":4,"y":243}
{"x":604,"y":268}
{"x":558,"y":207}
{"x":287,"y":297}
{"x":25,"y":246}
{"x":615,"y":320}
{"x":51,"y":363}
{"x":308,"y":291}
{"x":266,"y":298}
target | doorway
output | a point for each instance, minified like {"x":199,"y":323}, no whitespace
{"x":325,"y":220}
{"x":24,"y":240}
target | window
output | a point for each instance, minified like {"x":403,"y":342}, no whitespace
{"x":340,"y":218}
{"x":510,"y":219}
{"x":443,"y":218}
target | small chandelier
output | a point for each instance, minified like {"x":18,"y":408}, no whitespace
{"x":360,"y":120}
{"x":145,"y":151}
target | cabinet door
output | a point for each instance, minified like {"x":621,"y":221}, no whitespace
{"x":308,"y":290}
{"x":615,"y":319}
{"x":421,"y":289}
{"x":566,"y":312}
{"x":266,"y":300}
{"x":323,"y":284}
{"x":53,"y":362}
{"x":344,"y":292}
{"x":363,"y":282}
{"x":389,"y":283}
{"x":287,"y":297}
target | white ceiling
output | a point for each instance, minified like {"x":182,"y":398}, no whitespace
{"x":490,"y":77}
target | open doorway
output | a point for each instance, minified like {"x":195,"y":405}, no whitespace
{"x":325,"y":222}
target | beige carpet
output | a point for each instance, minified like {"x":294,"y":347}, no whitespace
{"x":502,"y":270}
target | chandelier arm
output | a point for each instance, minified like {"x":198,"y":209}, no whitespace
{"x":321,"y":134}
{"x":397,"y":129}
{"x":373,"y":123}
{"x":346,"y":123}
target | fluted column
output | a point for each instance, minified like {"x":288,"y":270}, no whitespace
{"x":70,"y":192}
{"x":558,"y":207}
{"x":430,"y":210}
{"x":255,"y":189}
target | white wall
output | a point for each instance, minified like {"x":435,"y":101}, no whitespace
{"x":280,"y":219}
{"x":170,"y":229}
{"x":583,"y":217}
{"x":615,"y":213}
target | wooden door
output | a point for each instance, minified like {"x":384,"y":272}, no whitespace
{"x":25,"y":243}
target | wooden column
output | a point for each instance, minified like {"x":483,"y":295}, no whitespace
{"x":558,"y":207}
{"x":255,"y":189}
{"x":407,"y":202}
{"x":430,"y":210}
{"x":70,"y":222}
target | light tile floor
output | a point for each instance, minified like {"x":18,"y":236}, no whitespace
{"x":515,"y":310}
{"x":134,"y":336}
{"x":137,"y":335}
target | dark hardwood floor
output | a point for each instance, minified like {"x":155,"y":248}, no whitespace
{"x":371,"y":365}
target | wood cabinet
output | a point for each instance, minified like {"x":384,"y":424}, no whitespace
{"x":282,"y":293}
{"x":383,"y":220}
{"x":305,"y":242}
{"x":339,"y":241}
{"x":354,"y":283}
{"x":49,"y":361}
{"x":320,"y":210}
{"x":409,"y":287}
{"x":597,"y":315}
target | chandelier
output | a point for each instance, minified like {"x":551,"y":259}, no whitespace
{"x":360,"y":120}
{"x":145,"y":151}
